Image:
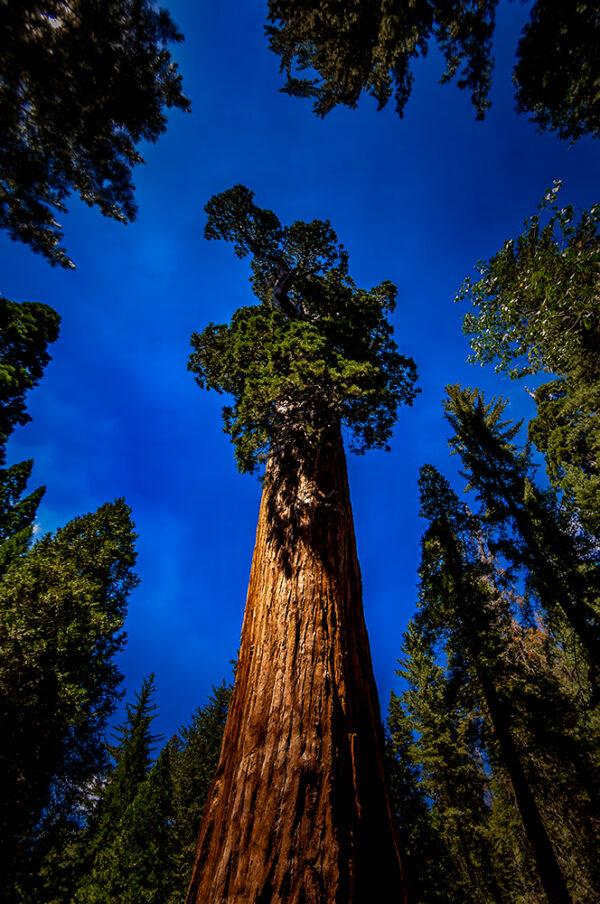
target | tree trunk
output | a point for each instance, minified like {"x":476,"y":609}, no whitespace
{"x":299,"y":812}
{"x":548,"y":867}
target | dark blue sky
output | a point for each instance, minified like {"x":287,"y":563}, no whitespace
{"x":417,"y":201}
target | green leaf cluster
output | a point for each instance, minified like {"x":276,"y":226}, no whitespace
{"x":315,"y":352}
{"x":82,"y":83}
{"x":535,"y":308}
{"x":349,"y":48}
{"x":370,"y":46}
{"x":27,"y":330}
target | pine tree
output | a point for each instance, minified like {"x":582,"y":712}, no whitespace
{"x":419,"y":772}
{"x":534,"y":309}
{"x":62,"y":609}
{"x":527,"y":527}
{"x":299,"y":810}
{"x":194,"y":755}
{"x":140,"y":838}
{"x":26,"y":331}
{"x":107,"y":879}
{"x":444,"y":726}
{"x":462,"y":599}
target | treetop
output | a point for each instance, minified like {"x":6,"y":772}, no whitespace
{"x":315,"y":352}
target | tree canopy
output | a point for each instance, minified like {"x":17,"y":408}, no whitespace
{"x":26,"y":329}
{"x":365,"y":46}
{"x":535,"y":308}
{"x":503,"y":682}
{"x":82,"y":83}
{"x":140,"y":837}
{"x":560,"y":565}
{"x":315,"y":351}
{"x":557,"y":75}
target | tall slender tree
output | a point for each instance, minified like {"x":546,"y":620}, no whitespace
{"x":559,"y":563}
{"x":194,"y":754}
{"x":299,"y":809}
{"x":127,"y":847}
{"x":446,"y":823}
{"x":460,"y":600}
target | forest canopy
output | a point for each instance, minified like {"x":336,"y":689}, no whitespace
{"x":350,"y":48}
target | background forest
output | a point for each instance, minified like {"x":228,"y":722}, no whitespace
{"x":489,"y":600}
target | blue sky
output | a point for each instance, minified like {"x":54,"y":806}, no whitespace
{"x":417,"y":201}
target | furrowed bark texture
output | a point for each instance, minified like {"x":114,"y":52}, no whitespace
{"x":299,"y":812}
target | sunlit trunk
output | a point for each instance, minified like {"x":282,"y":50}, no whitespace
{"x":299,"y":812}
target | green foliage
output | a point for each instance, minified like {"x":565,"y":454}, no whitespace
{"x":436,"y":786}
{"x":138,"y":865}
{"x":560,"y":565}
{"x":132,"y":755}
{"x":62,"y":609}
{"x":535,"y":306}
{"x":367,"y":46}
{"x":349,"y":48}
{"x":314,"y":352}
{"x":194,"y":753}
{"x":140,"y":840}
{"x":129,"y":834}
{"x":567,"y":430}
{"x":27,"y":330}
{"x":505,"y":672}
{"x":82,"y":84}
{"x":558,"y":68}
{"x":16,"y":514}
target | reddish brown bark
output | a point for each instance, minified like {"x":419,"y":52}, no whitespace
{"x":299,"y":812}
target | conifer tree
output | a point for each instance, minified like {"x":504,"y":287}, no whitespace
{"x":299,"y":809}
{"x":462,"y":600}
{"x":26,"y":331}
{"x":560,"y":565}
{"x":83,"y":83}
{"x":534,"y":309}
{"x":62,"y":609}
{"x":333,"y":52}
{"x":441,"y":807}
{"x":194,"y":755}
{"x":132,"y":756}
{"x":129,"y":837}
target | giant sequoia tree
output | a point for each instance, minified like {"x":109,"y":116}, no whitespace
{"x":299,"y":809}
